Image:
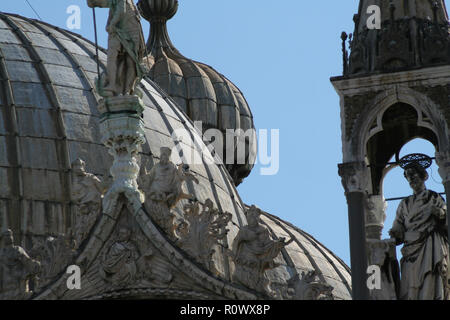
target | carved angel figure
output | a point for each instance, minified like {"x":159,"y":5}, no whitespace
{"x":126,"y":47}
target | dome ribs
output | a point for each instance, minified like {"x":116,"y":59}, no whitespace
{"x":221,"y":168}
{"x":62,"y":147}
{"x":15,"y":179}
{"x":315,"y":244}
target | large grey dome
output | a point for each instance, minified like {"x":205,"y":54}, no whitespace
{"x":48,"y":118}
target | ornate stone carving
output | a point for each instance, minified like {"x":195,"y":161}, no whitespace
{"x":382,"y":253}
{"x":128,"y":261}
{"x":354,"y":107}
{"x":309,"y":287}
{"x":354,"y":176}
{"x":123,"y":134}
{"x":87,"y":193}
{"x":119,"y":265}
{"x":126,"y":48}
{"x":164,"y":190}
{"x":375,"y":216}
{"x":254,"y":252}
{"x":54,"y":255}
{"x":16,"y":269}
{"x":439,"y":95}
{"x":443,"y":161}
{"x":203,"y":230}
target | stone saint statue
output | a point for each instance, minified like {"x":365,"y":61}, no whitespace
{"x":421,"y":226}
{"x":16,"y":269}
{"x":254,"y":252}
{"x":165,"y":180}
{"x":126,"y":47}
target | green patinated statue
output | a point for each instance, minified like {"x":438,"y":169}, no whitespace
{"x":126,"y":48}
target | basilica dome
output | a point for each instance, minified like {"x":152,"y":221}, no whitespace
{"x":49,"y":119}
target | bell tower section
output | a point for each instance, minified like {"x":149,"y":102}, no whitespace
{"x":395,"y":87}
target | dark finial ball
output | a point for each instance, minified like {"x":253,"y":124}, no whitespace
{"x":157,"y":9}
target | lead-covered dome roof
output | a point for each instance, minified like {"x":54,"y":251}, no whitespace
{"x":201,"y":92}
{"x":49,"y":118}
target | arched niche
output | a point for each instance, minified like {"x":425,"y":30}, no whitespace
{"x":400,"y":123}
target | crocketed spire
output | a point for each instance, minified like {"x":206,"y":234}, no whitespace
{"x":413,"y":34}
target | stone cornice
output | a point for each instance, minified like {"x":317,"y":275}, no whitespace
{"x":433,"y":76}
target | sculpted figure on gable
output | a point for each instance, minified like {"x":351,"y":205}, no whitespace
{"x":16,"y":269}
{"x":128,"y":260}
{"x":163,"y":188}
{"x":87,"y":193}
{"x":119,"y":265}
{"x":254,"y":252}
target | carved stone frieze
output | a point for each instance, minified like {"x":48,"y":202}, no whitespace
{"x":354,"y":176}
{"x":354,"y":107}
{"x":309,"y":287}
{"x":202,"y":231}
{"x":440,"y":96}
{"x":129,"y":260}
{"x":399,"y":44}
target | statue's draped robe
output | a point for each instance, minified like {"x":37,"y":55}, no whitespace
{"x":163,"y":181}
{"x":127,"y":32}
{"x":254,"y":252}
{"x":87,"y":191}
{"x":424,"y":264}
{"x":120,"y":263}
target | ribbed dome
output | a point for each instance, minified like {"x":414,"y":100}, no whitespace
{"x":49,"y":118}
{"x":202,"y":93}
{"x":413,"y":34}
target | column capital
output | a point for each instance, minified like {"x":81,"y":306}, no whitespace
{"x":443,"y":161}
{"x":354,"y":176}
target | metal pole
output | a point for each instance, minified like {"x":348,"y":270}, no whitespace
{"x":96,"y":44}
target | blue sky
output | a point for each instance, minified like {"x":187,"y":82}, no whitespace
{"x":281,"y":55}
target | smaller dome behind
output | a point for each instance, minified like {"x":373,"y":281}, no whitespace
{"x":200,"y":91}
